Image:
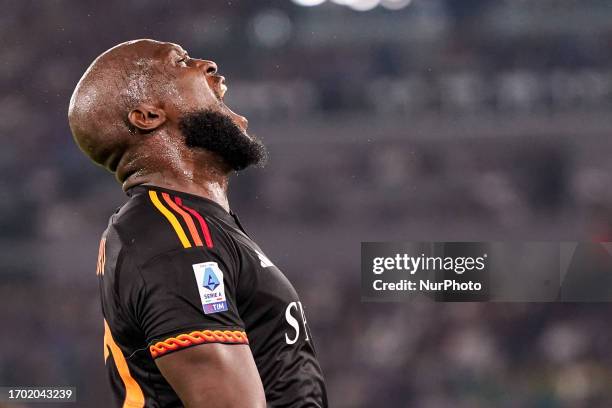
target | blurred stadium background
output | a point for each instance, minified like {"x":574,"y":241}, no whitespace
{"x":386,"y":120}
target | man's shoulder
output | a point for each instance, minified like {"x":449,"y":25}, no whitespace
{"x":152,"y":223}
{"x":142,"y":230}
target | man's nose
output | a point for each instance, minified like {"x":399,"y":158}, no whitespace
{"x":209,"y":67}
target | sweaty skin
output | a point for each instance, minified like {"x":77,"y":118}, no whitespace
{"x":125,"y":111}
{"x":124,"y":114}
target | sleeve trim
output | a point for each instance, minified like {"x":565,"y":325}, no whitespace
{"x":197,"y":337}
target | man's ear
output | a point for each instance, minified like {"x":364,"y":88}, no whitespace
{"x":147,"y":117}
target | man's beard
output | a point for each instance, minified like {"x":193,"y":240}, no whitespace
{"x":217,"y":133}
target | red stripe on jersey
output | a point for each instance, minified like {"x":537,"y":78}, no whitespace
{"x":201,"y":220}
{"x":188,"y":220}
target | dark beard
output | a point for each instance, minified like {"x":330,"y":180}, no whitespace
{"x":217,"y":133}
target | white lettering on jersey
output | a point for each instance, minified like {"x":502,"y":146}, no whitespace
{"x":304,"y":320}
{"x":293,"y":322}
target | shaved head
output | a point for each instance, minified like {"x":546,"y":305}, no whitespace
{"x":131,"y":109}
{"x":115,"y":83}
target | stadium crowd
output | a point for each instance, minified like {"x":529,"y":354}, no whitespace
{"x":434,"y":122}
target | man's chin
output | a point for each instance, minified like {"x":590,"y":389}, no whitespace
{"x":247,"y":135}
{"x":218,"y":132}
{"x":238,"y":120}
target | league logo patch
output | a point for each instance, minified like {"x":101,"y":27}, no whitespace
{"x":210,"y":286}
{"x":210,"y":279}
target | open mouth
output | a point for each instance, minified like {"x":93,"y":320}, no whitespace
{"x":220,"y":91}
{"x":223,"y":89}
{"x":219,"y":87}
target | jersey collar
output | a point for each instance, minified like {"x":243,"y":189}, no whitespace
{"x":208,"y":206}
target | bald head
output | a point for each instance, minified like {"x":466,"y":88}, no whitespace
{"x":117,"y":82}
{"x":145,"y":109}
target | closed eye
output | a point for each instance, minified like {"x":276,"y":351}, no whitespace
{"x":182,"y":62}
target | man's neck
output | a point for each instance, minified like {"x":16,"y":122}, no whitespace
{"x":213,"y":191}
{"x":209,"y":180}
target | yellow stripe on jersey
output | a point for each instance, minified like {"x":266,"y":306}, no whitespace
{"x":134,"y":398}
{"x":173,"y":221}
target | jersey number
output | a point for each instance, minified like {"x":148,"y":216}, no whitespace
{"x":134,"y":396}
{"x":293,"y":322}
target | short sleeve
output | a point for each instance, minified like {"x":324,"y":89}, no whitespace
{"x":187,"y":297}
